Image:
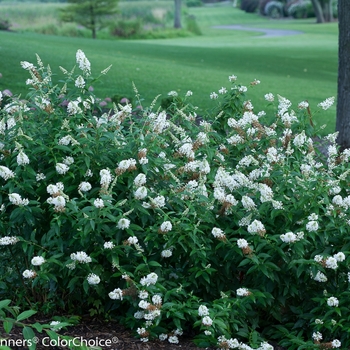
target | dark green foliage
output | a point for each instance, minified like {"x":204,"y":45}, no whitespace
{"x":4,"y":24}
{"x":194,"y":3}
{"x":126,"y":28}
{"x":249,"y":6}
{"x":274,"y":9}
{"x":262,"y":4}
{"x":91,"y":14}
{"x":233,"y":188}
{"x":300,"y":9}
{"x":192,"y":26}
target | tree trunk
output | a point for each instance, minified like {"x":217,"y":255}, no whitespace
{"x":343,"y":104}
{"x":318,"y":11}
{"x":177,"y":19}
{"x":330,"y":9}
{"x":92,"y":21}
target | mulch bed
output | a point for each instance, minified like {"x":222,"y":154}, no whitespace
{"x":95,"y":331}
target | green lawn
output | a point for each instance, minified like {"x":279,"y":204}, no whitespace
{"x":298,"y":67}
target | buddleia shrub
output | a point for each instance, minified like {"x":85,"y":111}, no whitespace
{"x":232,"y":227}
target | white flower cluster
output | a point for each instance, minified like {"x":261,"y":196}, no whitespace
{"x":150,"y":279}
{"x":108,"y":245}
{"x":142,"y":156}
{"x":327,"y":103}
{"x":141,"y":193}
{"x":283,"y":105}
{"x":157,"y":202}
{"x":200,"y":166}
{"x":93,"y":279}
{"x":124,"y":165}
{"x":330,"y":262}
{"x":332,"y":301}
{"x":187,"y":150}
{"x":98,"y":203}
{"x":37,"y":260}
{"x":225,"y":343}
{"x":8,"y":240}
{"x":132,"y":240}
{"x":256,"y":227}
{"x":167,"y":253}
{"x":81,"y":257}
{"x":16,"y":199}
{"x":242,"y":243}
{"x":158,"y":123}
{"x":106,"y":178}
{"x":165,"y":227}
{"x":83,"y":62}
{"x":29,"y":274}
{"x":68,"y":161}
{"x":291,"y":237}
{"x":317,"y":336}
{"x":116,"y":294}
{"x":218,"y":233}
{"x":336,"y":343}
{"x":55,"y":324}
{"x":243,"y":292}
{"x":27,"y":65}
{"x":123,"y":224}
{"x":203,"y":311}
{"x":244,"y":122}
{"x":6,"y":173}
{"x":73,"y":107}
{"x":80,"y":82}
{"x":58,"y":198}
{"x":66,"y":140}
{"x":320,"y":277}
{"x":207,"y":321}
{"x":269,"y":97}
{"x":62,"y":168}
{"x":312,"y":225}
{"x":140,"y":180}
{"x":22,"y":158}
{"x":248,"y":203}
{"x":84,"y":186}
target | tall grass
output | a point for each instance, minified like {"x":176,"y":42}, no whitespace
{"x":298,"y":67}
{"x":29,"y":15}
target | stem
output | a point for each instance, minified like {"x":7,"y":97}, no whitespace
{"x":310,"y":116}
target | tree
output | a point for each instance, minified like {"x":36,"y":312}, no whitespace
{"x":323,"y":10}
{"x":91,"y":14}
{"x":343,"y":104}
{"x":177,"y":16}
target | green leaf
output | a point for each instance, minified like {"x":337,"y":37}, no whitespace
{"x":25,"y":314}
{"x":4,"y":303}
{"x":141,"y":267}
{"x":244,"y":262}
{"x":7,"y":326}
{"x":3,"y":347}
{"x":221,"y":324}
{"x":38,"y":327}
{"x":53,"y":335}
{"x":29,"y":335}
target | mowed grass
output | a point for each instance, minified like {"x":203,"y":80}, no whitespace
{"x":299,"y":67}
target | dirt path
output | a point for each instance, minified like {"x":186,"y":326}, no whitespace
{"x":267,"y":33}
